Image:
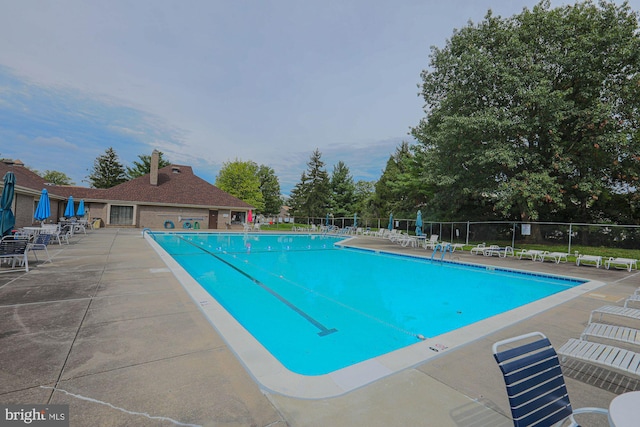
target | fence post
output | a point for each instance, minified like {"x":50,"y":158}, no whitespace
{"x":467,"y":242}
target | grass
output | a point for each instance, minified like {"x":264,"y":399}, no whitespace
{"x":283,"y":226}
{"x":603,"y":251}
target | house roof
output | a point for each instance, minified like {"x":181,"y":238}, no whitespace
{"x":177,"y":185}
{"x":25,"y":178}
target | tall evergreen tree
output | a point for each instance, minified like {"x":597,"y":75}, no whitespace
{"x":107,"y":170}
{"x":312,"y":195}
{"x":395,"y":190}
{"x":363,"y":194}
{"x":270,"y":188}
{"x":342,"y":191}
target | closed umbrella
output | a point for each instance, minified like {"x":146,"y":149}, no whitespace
{"x":326,"y":221}
{"x":355,"y":219}
{"x":419,"y":224}
{"x":43,"y":210}
{"x":250,"y":216}
{"x":69,"y":211}
{"x":80,"y":211}
{"x":391,"y":221}
{"x":7,"y":220}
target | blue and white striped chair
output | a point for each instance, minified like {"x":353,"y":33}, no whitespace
{"x":40,"y":244}
{"x":535,"y":384}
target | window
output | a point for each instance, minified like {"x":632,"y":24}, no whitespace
{"x":121,"y":215}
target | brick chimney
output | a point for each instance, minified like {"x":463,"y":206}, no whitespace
{"x":155,"y":159}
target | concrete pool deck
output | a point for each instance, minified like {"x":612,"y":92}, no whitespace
{"x":108,"y":329}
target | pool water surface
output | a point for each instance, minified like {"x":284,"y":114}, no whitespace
{"x":318,"y":307}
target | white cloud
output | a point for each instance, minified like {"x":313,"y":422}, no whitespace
{"x":208,"y":81}
{"x":53,"y":143}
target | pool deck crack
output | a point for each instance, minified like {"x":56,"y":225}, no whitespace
{"x":117,"y":408}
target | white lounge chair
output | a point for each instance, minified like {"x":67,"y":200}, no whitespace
{"x":455,"y":246}
{"x":555,"y":256}
{"x":612,"y":332}
{"x":632,"y":298}
{"x":394,"y":235}
{"x":431,"y":242}
{"x":497,"y":250}
{"x":602,"y":354}
{"x":478,"y":249}
{"x":406,"y":240}
{"x":595,"y":259}
{"x":615,"y":310}
{"x":380,"y":232}
{"x":532,"y":254}
{"x":627,"y":263}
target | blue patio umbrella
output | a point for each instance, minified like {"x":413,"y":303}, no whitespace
{"x":43,"y":210}
{"x":419,"y":224}
{"x":391,"y":221}
{"x":69,"y":212}
{"x":7,"y":220}
{"x":326,"y":221}
{"x":355,"y":219}
{"x":80,"y":211}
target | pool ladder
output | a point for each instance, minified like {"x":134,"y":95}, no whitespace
{"x":443,"y":248}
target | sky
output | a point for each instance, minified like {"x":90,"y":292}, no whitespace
{"x":208,"y":81}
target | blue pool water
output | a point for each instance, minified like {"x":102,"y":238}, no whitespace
{"x":318,"y":307}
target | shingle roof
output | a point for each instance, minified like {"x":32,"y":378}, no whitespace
{"x":24,"y":177}
{"x":177,"y":185}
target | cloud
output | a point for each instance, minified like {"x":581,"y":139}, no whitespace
{"x":53,"y":143}
{"x":60,"y":128}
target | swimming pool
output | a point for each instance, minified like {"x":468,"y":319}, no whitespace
{"x":319,"y":308}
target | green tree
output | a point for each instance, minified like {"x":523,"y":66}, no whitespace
{"x":107,"y":170}
{"x":364,"y":191}
{"x":270,"y":189}
{"x":342,"y":191}
{"x":143,"y":166}
{"x":312,"y":195}
{"x":240,"y":179}
{"x":58,"y":178}
{"x":534,"y":116}
{"x":396,"y":190}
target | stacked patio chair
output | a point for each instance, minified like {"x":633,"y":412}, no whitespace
{"x":613,"y":344}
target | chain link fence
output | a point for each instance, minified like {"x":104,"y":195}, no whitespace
{"x":510,"y":233}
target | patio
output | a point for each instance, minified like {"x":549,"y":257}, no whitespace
{"x":109,"y":330}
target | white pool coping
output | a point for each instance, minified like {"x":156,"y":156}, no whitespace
{"x":274,"y":377}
